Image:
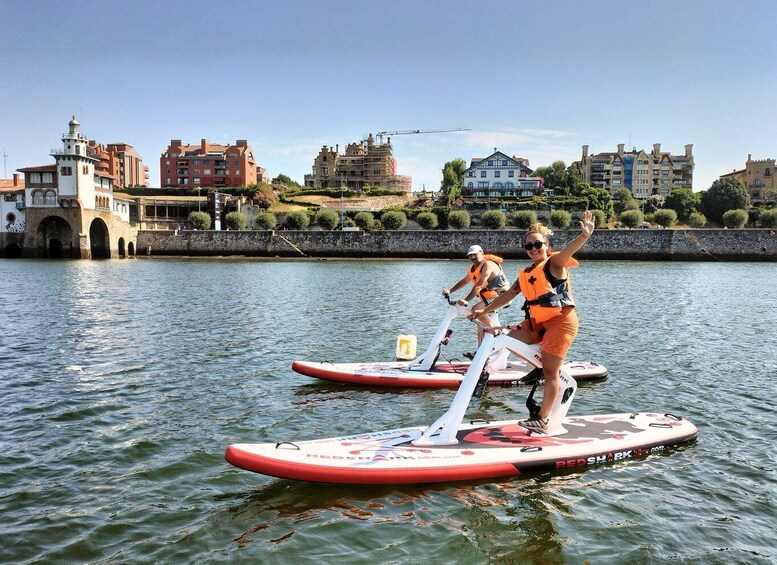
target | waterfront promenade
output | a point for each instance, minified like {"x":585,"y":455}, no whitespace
{"x":644,"y":244}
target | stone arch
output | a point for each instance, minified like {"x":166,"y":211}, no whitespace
{"x":55,"y":239}
{"x":131,"y":249}
{"x":99,"y":240}
{"x":122,"y":250}
{"x":12,"y":251}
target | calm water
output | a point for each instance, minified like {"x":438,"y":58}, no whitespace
{"x":123,"y":381}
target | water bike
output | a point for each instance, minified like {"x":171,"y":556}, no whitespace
{"x":450,"y":450}
{"x":426,"y":370}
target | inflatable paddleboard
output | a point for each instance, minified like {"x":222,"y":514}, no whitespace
{"x":484,"y":450}
{"x":397,"y":374}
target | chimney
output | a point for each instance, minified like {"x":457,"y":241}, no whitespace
{"x":585,"y":151}
{"x":656,"y":149}
{"x":620,"y":148}
{"x":15,"y":179}
{"x":204,"y":147}
{"x":242,"y":143}
{"x":689,"y":150}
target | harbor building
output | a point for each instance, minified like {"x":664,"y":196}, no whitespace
{"x":208,"y":164}
{"x":363,"y":164}
{"x":644,"y":174}
{"x":758,"y":178}
{"x":68,"y":208}
{"x":499,"y":177}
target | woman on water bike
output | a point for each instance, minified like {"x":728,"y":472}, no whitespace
{"x":549,"y":307}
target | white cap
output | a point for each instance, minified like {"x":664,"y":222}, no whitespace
{"x":474,"y":249}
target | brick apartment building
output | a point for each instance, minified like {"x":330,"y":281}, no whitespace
{"x":208,"y":164}
{"x":122,"y":162}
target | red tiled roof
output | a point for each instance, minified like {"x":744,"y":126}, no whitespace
{"x":6,"y":185}
{"x":39,"y":168}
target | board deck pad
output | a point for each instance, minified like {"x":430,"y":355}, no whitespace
{"x":485,"y":450}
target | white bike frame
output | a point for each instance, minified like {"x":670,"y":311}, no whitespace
{"x":426,"y":360}
{"x":444,"y":430}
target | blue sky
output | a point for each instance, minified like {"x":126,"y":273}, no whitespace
{"x":537,"y":79}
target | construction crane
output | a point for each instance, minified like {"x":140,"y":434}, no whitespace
{"x":380,"y":134}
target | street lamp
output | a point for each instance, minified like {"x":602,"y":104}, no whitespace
{"x":342,"y":203}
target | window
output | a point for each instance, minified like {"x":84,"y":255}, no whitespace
{"x":511,"y":174}
{"x":469,"y":185}
{"x":325,"y":171}
{"x":65,"y":171}
{"x":196,"y":180}
{"x":196,"y":161}
{"x":237,"y":163}
{"x":48,"y":178}
{"x":237,"y":171}
{"x":471,"y":174}
{"x":497,"y":174}
{"x":35,"y":178}
{"x":768,"y":172}
{"x":482,"y":174}
{"x":616,"y":182}
{"x":757,"y":182}
{"x":167,"y":162}
{"x":204,"y":171}
{"x":483,"y":184}
{"x":490,"y":163}
{"x":504,"y":163}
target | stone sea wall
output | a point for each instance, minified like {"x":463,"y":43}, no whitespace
{"x":642,"y":244}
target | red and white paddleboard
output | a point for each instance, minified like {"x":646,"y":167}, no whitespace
{"x":396,"y":374}
{"x":484,"y":450}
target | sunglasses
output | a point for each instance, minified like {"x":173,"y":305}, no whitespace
{"x":534,"y":244}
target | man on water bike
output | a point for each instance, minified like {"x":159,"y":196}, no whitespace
{"x":488,"y":281}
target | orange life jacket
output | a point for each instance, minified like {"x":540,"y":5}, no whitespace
{"x":543,"y":301}
{"x":499,"y":281}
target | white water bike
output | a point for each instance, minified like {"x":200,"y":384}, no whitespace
{"x":451,"y":450}
{"x":426,"y":370}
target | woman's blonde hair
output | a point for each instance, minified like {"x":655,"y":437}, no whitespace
{"x":541,"y":229}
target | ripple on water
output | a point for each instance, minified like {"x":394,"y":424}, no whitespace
{"x":120,"y":396}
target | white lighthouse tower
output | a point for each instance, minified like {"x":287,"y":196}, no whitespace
{"x":75,"y":165}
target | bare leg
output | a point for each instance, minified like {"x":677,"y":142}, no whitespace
{"x":551,"y":369}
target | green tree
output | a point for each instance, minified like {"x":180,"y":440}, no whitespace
{"x":236,"y":221}
{"x":556,"y":176}
{"x":632,"y":218}
{"x":599,"y":218}
{"x":560,"y":218}
{"x":683,"y":201}
{"x":364,"y":220}
{"x":453,"y":179}
{"x":265,"y":221}
{"x":665,"y":218}
{"x":427,"y":220}
{"x":697,"y":220}
{"x":599,"y":199}
{"x":199,"y":221}
{"x":494,"y":219}
{"x":297,"y":220}
{"x":724,"y":194}
{"x":734,"y":218}
{"x":285,"y":180}
{"x":768,"y":218}
{"x":459,"y":220}
{"x":622,"y":199}
{"x":394,"y":220}
{"x":525,"y":218}
{"x":327,"y":219}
